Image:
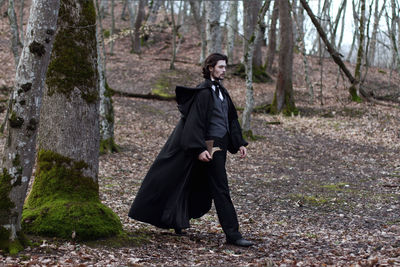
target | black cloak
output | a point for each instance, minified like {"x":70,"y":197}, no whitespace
{"x":176,"y":187}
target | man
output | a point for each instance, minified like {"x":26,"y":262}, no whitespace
{"x":185,"y":177}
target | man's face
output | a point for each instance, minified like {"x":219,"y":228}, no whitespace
{"x":218,"y":72}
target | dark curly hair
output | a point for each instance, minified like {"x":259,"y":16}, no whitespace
{"x":211,"y":61}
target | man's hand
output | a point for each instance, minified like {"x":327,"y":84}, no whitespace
{"x":243,"y":152}
{"x":204,"y":156}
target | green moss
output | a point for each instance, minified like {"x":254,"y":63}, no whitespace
{"x":74,"y":53}
{"x":108,"y":145}
{"x":353,"y":94}
{"x":15,"y":247}
{"x":336,"y":187}
{"x":15,"y":121}
{"x":63,"y":201}
{"x":248,"y":135}
{"x":5,"y":202}
{"x":106,"y":33}
{"x":259,"y":74}
{"x":4,"y":238}
{"x":163,"y":86}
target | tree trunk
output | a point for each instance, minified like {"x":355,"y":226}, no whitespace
{"x":334,"y":54}
{"x":232,"y":30}
{"x":213,"y":30}
{"x":152,"y":17}
{"x":283,"y":97}
{"x":132,"y":16}
{"x":112,"y":27}
{"x":248,"y":63}
{"x":300,"y":32}
{"x":16,"y":45}
{"x":360,"y":53}
{"x":377,"y":17}
{"x":103,"y":7}
{"x":21,"y":19}
{"x":19,"y":151}
{"x":339,"y":43}
{"x":174,"y":33}
{"x":272,"y":38}
{"x":200,"y":25}
{"x":64,"y":201}
{"x":250,"y":11}
{"x":138,"y":24}
{"x":106,"y":110}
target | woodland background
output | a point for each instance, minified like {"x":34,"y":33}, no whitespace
{"x":321,"y":183}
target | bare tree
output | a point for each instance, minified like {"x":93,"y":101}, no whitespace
{"x":174,"y":33}
{"x":250,"y":11}
{"x":138,"y":24}
{"x":153,"y":11}
{"x":301,"y":41}
{"x":360,"y":53}
{"x":21,"y":19}
{"x":112,"y":27}
{"x":283,"y":96}
{"x":19,"y":151}
{"x":248,"y":63}
{"x":200,"y":25}
{"x":213,"y":29}
{"x":272,"y":38}
{"x":16,"y":44}
{"x":64,"y":200}
{"x":377,"y":16}
{"x":232,"y":26}
{"x":355,"y":86}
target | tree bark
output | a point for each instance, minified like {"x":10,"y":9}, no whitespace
{"x":132,"y":17}
{"x":360,"y":52}
{"x":21,"y":20}
{"x":232,"y":30}
{"x":152,"y":17}
{"x":334,"y":54}
{"x":103,"y":7}
{"x":250,"y":11}
{"x":272,"y":38}
{"x":16,"y":45}
{"x":200,"y":25}
{"x":213,"y":30}
{"x":112,"y":27}
{"x":377,"y":16}
{"x":283,"y":96}
{"x":174,"y":33}
{"x":106,"y":110}
{"x":248,"y":63}
{"x":64,"y":200}
{"x":300,"y":32}
{"x":138,"y":24}
{"x":19,"y":151}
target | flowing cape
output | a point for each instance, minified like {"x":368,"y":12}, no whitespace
{"x":176,"y":187}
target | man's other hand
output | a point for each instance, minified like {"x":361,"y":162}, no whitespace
{"x":204,"y":156}
{"x":243,"y":151}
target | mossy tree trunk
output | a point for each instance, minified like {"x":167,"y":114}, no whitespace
{"x":248,"y":63}
{"x":213,"y":29}
{"x":283,"y":96}
{"x":64,"y":200}
{"x":107,"y":142}
{"x":19,"y":151}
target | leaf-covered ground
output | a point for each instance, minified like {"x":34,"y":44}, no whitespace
{"x":321,"y":188}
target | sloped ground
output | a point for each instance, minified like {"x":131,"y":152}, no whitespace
{"x":319,"y":188}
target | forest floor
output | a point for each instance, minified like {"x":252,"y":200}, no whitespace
{"x":321,"y":188}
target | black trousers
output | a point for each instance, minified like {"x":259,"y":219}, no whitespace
{"x":218,"y":181}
